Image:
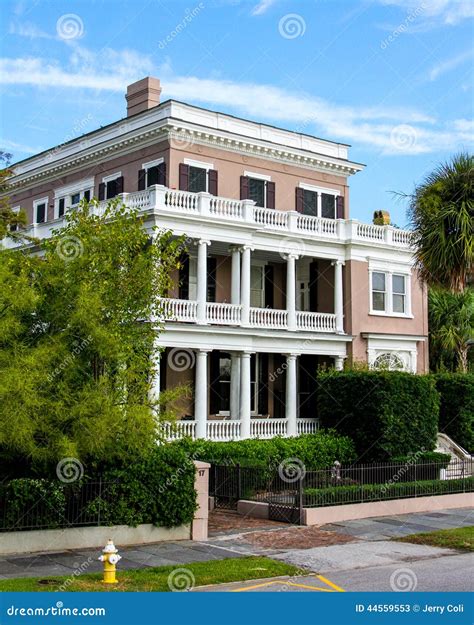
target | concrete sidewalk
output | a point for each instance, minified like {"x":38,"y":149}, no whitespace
{"x":300,"y":545}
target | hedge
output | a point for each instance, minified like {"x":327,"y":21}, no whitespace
{"x":157,"y":488}
{"x":387,"y":413}
{"x":315,"y":451}
{"x":338,"y":495}
{"x":456,"y":415}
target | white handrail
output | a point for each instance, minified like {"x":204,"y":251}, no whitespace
{"x":223,"y":314}
{"x":268,"y":318}
{"x":316,"y":322}
{"x":178,"y":309}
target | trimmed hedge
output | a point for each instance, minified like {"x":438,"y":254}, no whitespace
{"x":338,"y":495}
{"x":456,"y":415}
{"x":388,"y":413}
{"x":315,"y":451}
{"x":157,"y":488}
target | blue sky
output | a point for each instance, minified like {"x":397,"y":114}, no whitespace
{"x":393,"y":78}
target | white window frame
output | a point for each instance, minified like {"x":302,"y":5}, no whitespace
{"x":261,"y":266}
{"x":200,"y":165}
{"x":389,"y":272}
{"x":319,"y":191}
{"x":65,"y":193}
{"x":265,"y":178}
{"x":36,"y":203}
{"x":111,"y":177}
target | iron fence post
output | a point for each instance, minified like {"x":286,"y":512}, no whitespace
{"x":300,"y":500}
{"x":239,"y":482}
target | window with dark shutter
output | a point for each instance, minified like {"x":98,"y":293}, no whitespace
{"x":212,"y":181}
{"x":299,"y":199}
{"x":183,"y":177}
{"x":211,"y":278}
{"x":161,"y":173}
{"x":111,"y":189}
{"x":328,"y":206}
{"x":141,"y":179}
{"x":61,"y":204}
{"x":244,"y":187}
{"x":152,"y":176}
{"x":257,"y":191}
{"x":87,"y":195}
{"x":197,"y":179}
{"x":340,"y":207}
{"x":119,"y":185}
{"x":270,"y":194}
{"x":102,"y":191}
{"x":310,"y":203}
{"x":40,"y":213}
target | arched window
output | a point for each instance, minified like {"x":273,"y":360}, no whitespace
{"x":389,"y":361}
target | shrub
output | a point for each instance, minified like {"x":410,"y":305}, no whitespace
{"x":338,"y":495}
{"x":387,"y":413}
{"x":315,"y":451}
{"x":34,"y":503}
{"x":456,"y":415}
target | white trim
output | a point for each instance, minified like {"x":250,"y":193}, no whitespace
{"x":200,"y":164}
{"x":376,"y":264}
{"x":258,"y":176}
{"x":36,"y":203}
{"x":311,"y":187}
{"x":388,"y":312}
{"x":111,"y":177}
{"x":403,"y":346}
{"x":154,"y":163}
{"x":76,"y":187}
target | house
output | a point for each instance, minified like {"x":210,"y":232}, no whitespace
{"x":278,"y":281}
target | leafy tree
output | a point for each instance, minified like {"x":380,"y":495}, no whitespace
{"x":451,"y":322}
{"x":8,"y":218}
{"x":442,"y":218}
{"x":76,"y":342}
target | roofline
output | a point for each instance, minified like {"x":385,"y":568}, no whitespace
{"x":163,"y":104}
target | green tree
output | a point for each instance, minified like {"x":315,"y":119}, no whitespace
{"x":451,"y":322}
{"x":8,"y":218}
{"x":442,"y":219}
{"x":76,"y":342}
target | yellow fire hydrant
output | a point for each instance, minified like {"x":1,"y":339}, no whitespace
{"x":110,"y":557}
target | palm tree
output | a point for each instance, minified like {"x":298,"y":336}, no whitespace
{"x":451,"y":322}
{"x":442,"y":218}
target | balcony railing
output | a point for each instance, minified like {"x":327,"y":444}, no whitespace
{"x":229,"y":429}
{"x":159,"y":199}
{"x":230,"y":315}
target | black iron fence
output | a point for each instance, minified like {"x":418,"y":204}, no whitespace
{"x":43,"y":504}
{"x":289,"y":488}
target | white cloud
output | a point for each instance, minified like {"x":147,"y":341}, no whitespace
{"x":6,"y":144}
{"x":437,"y":12}
{"x":262,"y":7}
{"x":373,"y":126}
{"x":450,"y":64}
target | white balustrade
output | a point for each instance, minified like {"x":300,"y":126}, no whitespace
{"x":271,"y":218}
{"x":307,"y":426}
{"x":225,"y":207}
{"x":316,"y":225}
{"x":178,"y":309}
{"x":401,"y":237}
{"x":223,"y":430}
{"x":316,"y":322}
{"x":268,"y":318}
{"x":178,"y":429}
{"x":139,"y":200}
{"x":181,"y":200}
{"x":371,"y":232}
{"x":267,"y":428}
{"x":223,"y":314}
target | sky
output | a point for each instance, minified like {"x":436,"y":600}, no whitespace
{"x":392,"y":78}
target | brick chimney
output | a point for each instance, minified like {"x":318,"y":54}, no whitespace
{"x":143,"y":95}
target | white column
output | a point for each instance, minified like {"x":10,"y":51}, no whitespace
{"x":200,"y":394}
{"x":338,"y":363}
{"x":154,"y":390}
{"x":245,"y":285}
{"x":338,"y":298}
{"x":291,"y":290}
{"x":291,"y":396}
{"x":235,"y":276}
{"x":245,"y":390}
{"x":202,"y":280}
{"x":319,"y":205}
{"x":234,"y":385}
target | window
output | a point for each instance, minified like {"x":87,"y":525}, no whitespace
{"x":259,"y":188}
{"x":257,"y":191}
{"x":328,"y":206}
{"x":224,"y":382}
{"x":378,"y":291}
{"x":257,"y":298}
{"x":398,"y":289}
{"x":111,"y":186}
{"x":310,"y":203}
{"x":389,"y":361}
{"x":40,"y":210}
{"x":61,"y":206}
{"x":197,"y":179}
{"x":153,"y":172}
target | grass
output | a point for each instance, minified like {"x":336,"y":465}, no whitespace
{"x":457,"y":538}
{"x":156,"y":579}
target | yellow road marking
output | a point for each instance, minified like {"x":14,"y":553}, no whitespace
{"x":329,"y":583}
{"x":256,"y":586}
{"x":283,"y":583}
{"x":309,"y":587}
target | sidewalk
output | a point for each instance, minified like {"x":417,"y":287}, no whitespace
{"x":299,"y":545}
